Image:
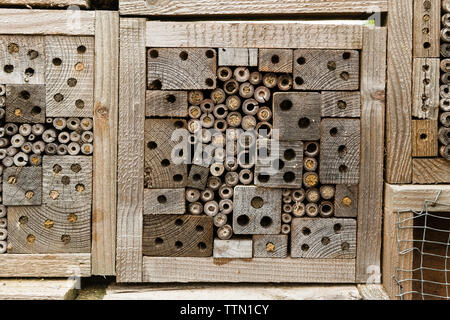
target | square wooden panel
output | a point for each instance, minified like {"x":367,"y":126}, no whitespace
{"x":25,"y":103}
{"x":275,"y":60}
{"x":22,"y":186}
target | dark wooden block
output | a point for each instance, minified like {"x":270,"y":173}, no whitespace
{"x":346,"y":201}
{"x":341,"y":104}
{"x":164,"y":201}
{"x":22,"y":186}
{"x":160,"y":171}
{"x":177,"y":236}
{"x":317,"y":69}
{"x":326,"y":238}
{"x":181,"y":68}
{"x":198,"y":177}
{"x":275,"y":60}
{"x":25,"y":103}
{"x":340,"y":151}
{"x":166,"y":103}
{"x":297,"y":115}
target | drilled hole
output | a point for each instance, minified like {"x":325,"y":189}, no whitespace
{"x":178,"y":244}
{"x":427,"y":45}
{"x":337,"y":228}
{"x":162,"y":199}
{"x":345,"y":75}
{"x":345,"y":246}
{"x":209,"y":54}
{"x":305,"y":247}
{"x":257,"y":202}
{"x":289,"y":177}
{"x":423,"y":136}
{"x":301,"y":60}
{"x":342,"y":104}
{"x":154,"y":54}
{"x":306,"y":231}
{"x":346,"y":55}
{"x":264,"y":178}
{"x":171,"y":98}
{"x":65,"y":180}
{"x":156,"y":84}
{"x":65,"y":238}
{"x":304,"y":123}
{"x":165,"y":163}
{"x":333,"y":132}
{"x":286,"y":105}
{"x":72,"y":82}
{"x":25,"y":95}
{"x":325,"y":241}
{"x":342,"y":151}
{"x":299,"y":81}
{"x":29,"y":72}
{"x":36,"y":110}
{"x":331,"y":65}
{"x":152,"y":145}
{"x":81,"y":49}
{"x":197,"y":177}
{"x":243,"y":220}
{"x":8,"y":68}
{"x":201,"y":246}
{"x":32,"y":54}
{"x":199,"y":228}
{"x":183,"y":55}
{"x":177,"y":178}
{"x":159,"y":241}
{"x":75,"y":167}
{"x":209,"y":82}
{"x":58,"y":97}
{"x":57,"y":62}
{"x":79,"y":104}
{"x":343,"y":168}
{"x":179,"y":222}
{"x":289,"y":154}
{"x":266,"y":222}
{"x":80,"y":187}
{"x":275,"y":59}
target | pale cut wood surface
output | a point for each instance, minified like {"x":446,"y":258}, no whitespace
{"x":31,"y":289}
{"x":50,"y":22}
{"x":431,"y":171}
{"x":427,"y":16}
{"x":104,"y":180}
{"x":235,"y":248}
{"x":270,"y":246}
{"x":370,"y":202}
{"x":424,"y":138}
{"x":266,"y":270}
{"x":398,"y":99}
{"x":247,"y":7}
{"x":46,"y":3}
{"x":425,"y":94}
{"x":237,"y":57}
{"x":231,"y":292}
{"x":241,"y":34}
{"x":45,"y":265}
{"x":372,"y":292}
{"x":166,"y":103}
{"x":130,"y":175}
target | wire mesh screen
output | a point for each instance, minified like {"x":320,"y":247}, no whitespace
{"x":423,"y":239}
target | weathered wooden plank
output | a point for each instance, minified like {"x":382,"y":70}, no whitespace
{"x":49,"y":229}
{"x":45,"y":265}
{"x":424,"y":140}
{"x":270,"y":246}
{"x":275,"y":60}
{"x":297,"y":115}
{"x":69,"y":76}
{"x":25,"y":103}
{"x":425,"y":94}
{"x":341,"y":104}
{"x":54,"y":22}
{"x":257,"y":210}
{"x":326,"y":69}
{"x":22,"y":186}
{"x":398,"y":99}
{"x":331,"y":238}
{"x":22,"y":59}
{"x":40,"y":289}
{"x":372,"y":292}
{"x":370,"y":207}
{"x":104,"y":184}
{"x":340,"y":151}
{"x":46,"y":3}
{"x":431,"y":171}
{"x":238,"y":57}
{"x":166,"y":104}
{"x":236,"y":248}
{"x":411,"y":197}
{"x":173,"y":269}
{"x":249,"y":7}
{"x":164,"y":201}
{"x":241,"y":34}
{"x":177,"y":236}
{"x":161,"y":171}
{"x":427,"y":25}
{"x":346,"y":201}
{"x":130,"y":178}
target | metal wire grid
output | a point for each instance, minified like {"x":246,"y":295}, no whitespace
{"x":419,"y":245}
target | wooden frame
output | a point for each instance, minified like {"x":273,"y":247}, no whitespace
{"x":248,"y":7}
{"x":46,"y":3}
{"x":401,"y":199}
{"x":104,"y":27}
{"x":135,"y":35}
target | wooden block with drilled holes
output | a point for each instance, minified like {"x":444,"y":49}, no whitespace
{"x":69,"y":76}
{"x":282,"y":164}
{"x":326,"y":69}
{"x":346,"y":201}
{"x":198,"y":177}
{"x":426,"y":88}
{"x":164,"y":201}
{"x":49,"y":229}
{"x":341,"y":104}
{"x":425,"y":143}
{"x":67,"y":181}
{"x":22,"y":59}
{"x":25,"y":103}
{"x":166,"y":103}
{"x":297,"y":115}
{"x":177,"y":236}
{"x":256,"y":210}
{"x":426,"y":32}
{"x":240,"y":57}
{"x":275,"y":60}
{"x":323,"y":238}
{"x":181,"y":68}
{"x":160,"y":171}
{"x":22,"y":186}
{"x":270,"y":246}
{"x":340,"y":151}
{"x":235,"y":248}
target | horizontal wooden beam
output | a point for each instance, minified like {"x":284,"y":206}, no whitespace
{"x":46,"y":3}
{"x":261,"y":34}
{"x":45,"y":265}
{"x":50,"y":22}
{"x":248,"y":7}
{"x":174,"y":269}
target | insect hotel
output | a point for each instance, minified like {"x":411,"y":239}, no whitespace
{"x":158,"y":148}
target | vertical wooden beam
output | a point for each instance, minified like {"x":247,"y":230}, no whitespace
{"x":398,"y":108}
{"x":106,"y":96}
{"x":425,"y":88}
{"x":370,"y":202}
{"x":130,"y":174}
{"x":427,"y":22}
